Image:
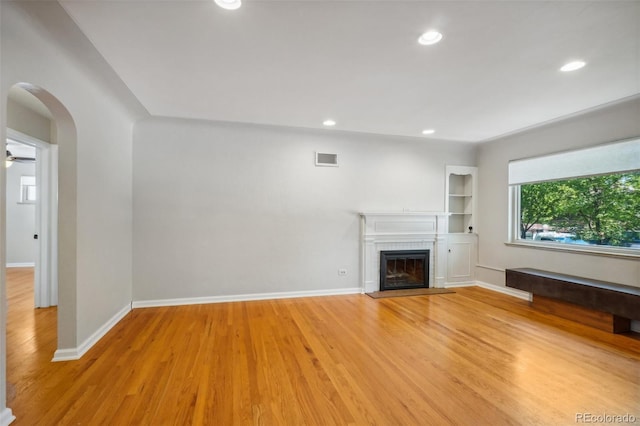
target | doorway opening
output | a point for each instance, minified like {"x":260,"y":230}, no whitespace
{"x":35,"y":122}
{"x":31,"y":208}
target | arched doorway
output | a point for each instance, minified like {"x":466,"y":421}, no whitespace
{"x":62,"y":253}
{"x":64,"y":135}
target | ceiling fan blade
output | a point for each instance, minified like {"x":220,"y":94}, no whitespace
{"x":22,"y":159}
{"x":11,"y":157}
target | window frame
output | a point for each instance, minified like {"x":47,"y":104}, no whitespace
{"x":514,"y":221}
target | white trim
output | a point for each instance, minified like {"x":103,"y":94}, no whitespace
{"x":635,"y":326}
{"x":462,"y":284}
{"x":53,"y":224}
{"x":593,"y":250}
{"x":403,"y":213}
{"x":524,"y":295}
{"x":491,"y":268}
{"x":21,"y":265}
{"x":243,"y":297}
{"x":23,"y":138}
{"x":41,"y":272}
{"x":6,"y":417}
{"x":71,"y":354}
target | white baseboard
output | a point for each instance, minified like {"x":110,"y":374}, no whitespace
{"x":524,"y":295}
{"x":464,"y":284}
{"x":71,"y":354}
{"x":21,"y":265}
{"x":6,"y":417}
{"x":499,"y":288}
{"x":635,"y":326}
{"x":243,"y":297}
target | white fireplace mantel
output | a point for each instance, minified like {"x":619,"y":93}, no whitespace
{"x":402,"y":231}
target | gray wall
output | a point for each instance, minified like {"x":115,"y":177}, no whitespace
{"x":616,"y":122}
{"x":223,"y":209}
{"x":21,"y":218}
{"x":41,"y":45}
{"x":28,"y":122}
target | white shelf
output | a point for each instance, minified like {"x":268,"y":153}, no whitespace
{"x":460,"y":204}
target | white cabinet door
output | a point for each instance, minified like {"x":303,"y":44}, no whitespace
{"x":461,"y":258}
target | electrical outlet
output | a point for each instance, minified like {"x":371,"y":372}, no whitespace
{"x":342,"y":272}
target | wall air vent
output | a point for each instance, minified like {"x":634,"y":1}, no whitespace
{"x":324,"y":159}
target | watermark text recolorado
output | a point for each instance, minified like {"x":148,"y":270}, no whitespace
{"x":606,"y":418}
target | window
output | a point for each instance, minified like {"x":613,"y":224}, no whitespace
{"x":585,"y":200}
{"x":27,"y":189}
{"x":597,"y":210}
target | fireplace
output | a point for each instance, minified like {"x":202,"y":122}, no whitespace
{"x":404,"y":269}
{"x":397,"y":231}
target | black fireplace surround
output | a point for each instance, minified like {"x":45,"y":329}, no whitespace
{"x":404,"y":269}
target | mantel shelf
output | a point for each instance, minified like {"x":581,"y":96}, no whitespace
{"x":404,"y":213}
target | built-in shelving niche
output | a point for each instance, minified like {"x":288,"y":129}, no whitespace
{"x":461,"y":188}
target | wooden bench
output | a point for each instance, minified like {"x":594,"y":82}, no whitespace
{"x":604,"y":305}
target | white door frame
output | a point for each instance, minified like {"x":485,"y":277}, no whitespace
{"x":46,"y":262}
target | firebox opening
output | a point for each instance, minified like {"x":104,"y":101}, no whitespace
{"x":404,"y":269}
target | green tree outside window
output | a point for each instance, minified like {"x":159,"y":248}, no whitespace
{"x":600,"y":210}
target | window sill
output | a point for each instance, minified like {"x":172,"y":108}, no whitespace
{"x":622,"y":253}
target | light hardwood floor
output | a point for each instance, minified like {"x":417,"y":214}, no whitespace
{"x":470,"y":358}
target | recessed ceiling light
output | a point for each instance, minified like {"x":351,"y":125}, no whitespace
{"x":430,"y":37}
{"x":329,"y":123}
{"x":572,"y":66}
{"x":428,"y":131}
{"x":229,"y":4}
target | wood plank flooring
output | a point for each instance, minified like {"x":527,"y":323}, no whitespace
{"x":31,"y":334}
{"x":469,"y":358}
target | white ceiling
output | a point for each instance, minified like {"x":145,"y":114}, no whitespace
{"x":296,"y":63}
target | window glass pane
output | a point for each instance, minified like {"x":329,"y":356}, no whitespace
{"x":597,"y":210}
{"x":30,"y":193}
{"x":27,"y":189}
